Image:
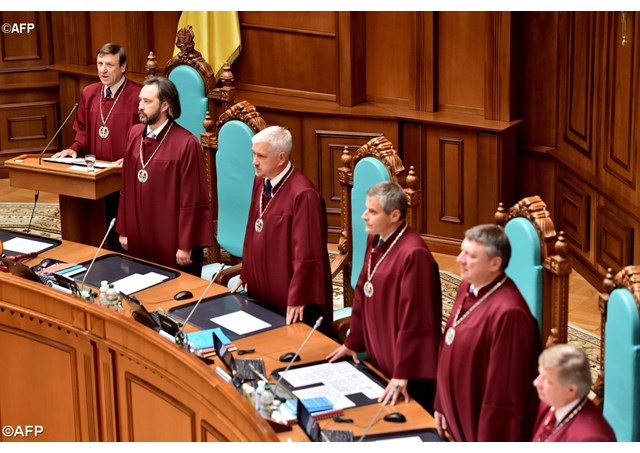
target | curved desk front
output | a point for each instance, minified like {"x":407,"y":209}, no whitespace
{"x":75,"y":371}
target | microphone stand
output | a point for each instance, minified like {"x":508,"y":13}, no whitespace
{"x":315,"y":327}
{"x":375,"y":418}
{"x":180,"y":337}
{"x":82,"y":294}
{"x":57,"y":132}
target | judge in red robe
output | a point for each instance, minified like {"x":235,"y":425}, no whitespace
{"x":397,"y":308}
{"x":113,"y":99}
{"x":164,"y":215}
{"x":488,"y":357}
{"x":285,"y":263}
{"x":566,"y":414}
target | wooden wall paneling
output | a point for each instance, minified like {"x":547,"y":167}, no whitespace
{"x":536,"y":39}
{"x":26,"y":44}
{"x":139,"y":31}
{"x":163,"y":40}
{"x":71,"y":37}
{"x":537,"y":175}
{"x":577,"y":91}
{"x":412,"y":150}
{"x":388,"y":56}
{"x":461,"y":61}
{"x":295,"y":58}
{"x":499,"y":88}
{"x":492,"y":175}
{"x":423,"y":58}
{"x":616,"y":239}
{"x":452,"y":181}
{"x":573,"y":216}
{"x":352,"y":67}
{"x":26,"y":127}
{"x":619,"y":147}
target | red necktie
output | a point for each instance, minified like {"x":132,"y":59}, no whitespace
{"x":548,"y":426}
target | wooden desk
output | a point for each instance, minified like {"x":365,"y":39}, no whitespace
{"x":87,"y":373}
{"x":81,"y":194}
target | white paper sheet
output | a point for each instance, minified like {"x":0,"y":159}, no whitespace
{"x":138,"y":282}
{"x":22,"y":245}
{"x":342,"y":376}
{"x":240,"y":322}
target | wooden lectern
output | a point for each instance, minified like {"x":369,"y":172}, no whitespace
{"x":81,"y":194}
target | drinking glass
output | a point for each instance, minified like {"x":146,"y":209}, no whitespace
{"x":90,"y":160}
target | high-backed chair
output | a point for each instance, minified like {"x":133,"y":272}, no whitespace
{"x":201,"y":98}
{"x":234,"y":179}
{"x":539,"y":265}
{"x":618,"y":385}
{"x":374,"y":162}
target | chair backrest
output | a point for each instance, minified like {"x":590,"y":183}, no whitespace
{"x":539,"y":265}
{"x":374,"y":162}
{"x":525,"y":267}
{"x":621,"y":405}
{"x":235,"y":173}
{"x":367,"y":173}
{"x":193,"y":100}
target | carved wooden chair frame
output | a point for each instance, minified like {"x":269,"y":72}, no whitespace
{"x":629,"y":278}
{"x":382,"y":149}
{"x":555,"y":262}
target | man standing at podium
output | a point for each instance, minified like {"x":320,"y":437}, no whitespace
{"x":106,"y":111}
{"x":488,"y":358}
{"x":397,"y":308}
{"x":164,"y":214}
{"x":285,"y":263}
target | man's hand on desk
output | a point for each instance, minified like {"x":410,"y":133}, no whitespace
{"x":441,"y":423}
{"x":402,"y":390}
{"x":294,"y":314}
{"x":118,"y":163}
{"x":340,"y":352}
{"x":66,"y":152}
{"x":237,"y":286}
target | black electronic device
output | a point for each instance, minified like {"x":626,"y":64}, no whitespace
{"x":55,"y":281}
{"x":312,"y":429}
{"x":157,"y":320}
{"x":243,"y":369}
{"x":182,"y":295}
{"x":289,"y":356}
{"x":395,"y":417}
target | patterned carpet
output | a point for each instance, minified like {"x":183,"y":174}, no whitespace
{"x":45,"y":222}
{"x":588,"y":342}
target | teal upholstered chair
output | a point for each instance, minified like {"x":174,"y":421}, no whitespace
{"x":539,"y":265}
{"x":234,"y":182}
{"x":374,"y":162}
{"x":621,"y":357}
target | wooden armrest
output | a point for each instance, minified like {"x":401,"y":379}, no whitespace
{"x":227,"y":274}
{"x":341,"y":327}
{"x":338,"y":264}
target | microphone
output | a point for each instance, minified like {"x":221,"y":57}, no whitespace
{"x":113,"y":222}
{"x":293,"y":359}
{"x":180,"y":337}
{"x":57,"y":132}
{"x":375,"y":417}
{"x":33,"y":211}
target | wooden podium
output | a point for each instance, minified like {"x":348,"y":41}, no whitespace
{"x":81,"y":194}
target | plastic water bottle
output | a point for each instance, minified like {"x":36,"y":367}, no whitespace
{"x":112,"y":296}
{"x":104,"y":286}
{"x":266,"y":401}
{"x":258,"y":394}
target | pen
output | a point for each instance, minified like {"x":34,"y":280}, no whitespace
{"x":69,"y":269}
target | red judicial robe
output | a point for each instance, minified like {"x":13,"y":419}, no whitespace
{"x":399,"y":326}
{"x":88,"y":121}
{"x":485,"y":377}
{"x":287,"y":263}
{"x":588,"y":425}
{"x":171,"y":210}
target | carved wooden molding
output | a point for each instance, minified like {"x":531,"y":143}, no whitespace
{"x":188,"y":55}
{"x":243,"y":111}
{"x":381,"y":148}
{"x":629,"y":278}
